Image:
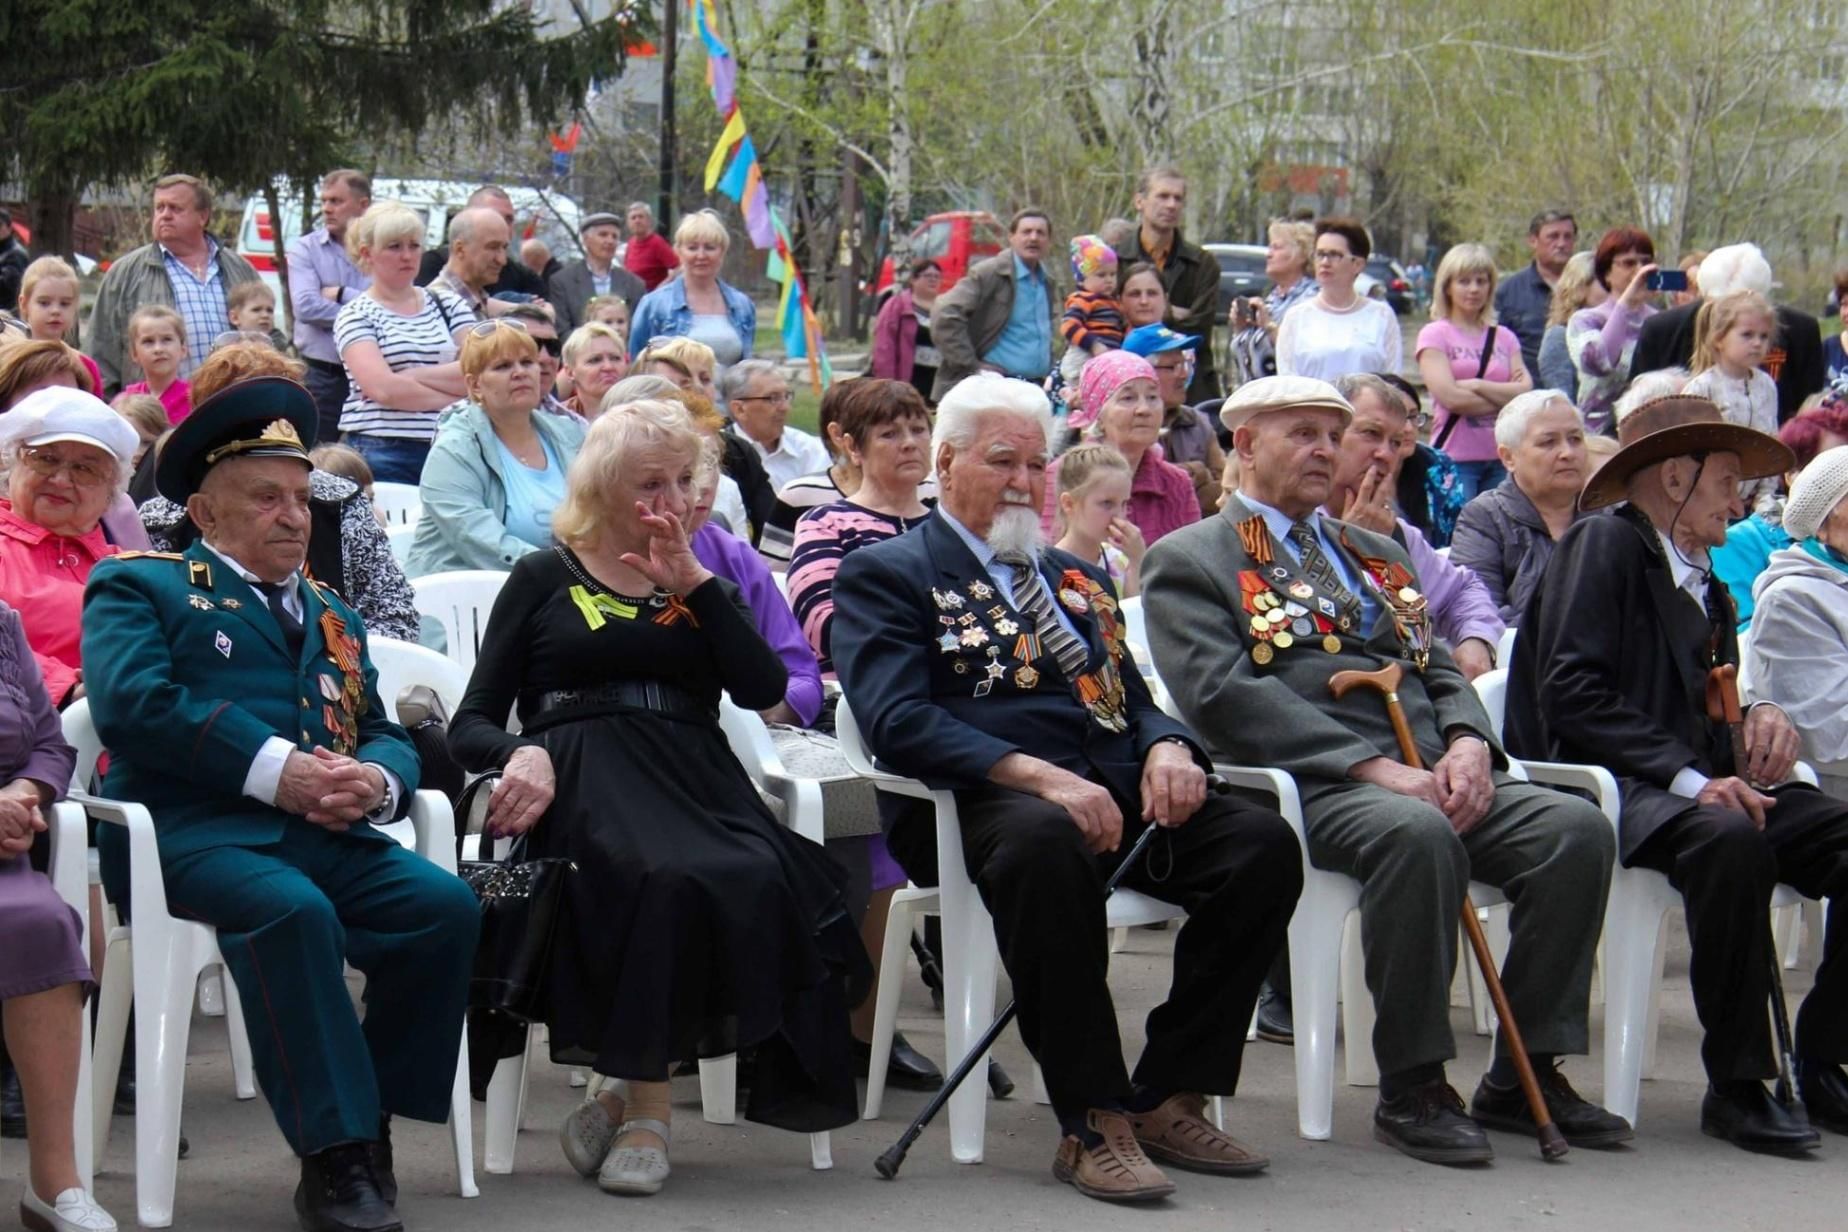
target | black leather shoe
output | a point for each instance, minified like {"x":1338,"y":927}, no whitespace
{"x":12,"y":1105}
{"x":338,"y":1194}
{"x":382,"y":1172}
{"x":1582,"y":1122}
{"x":1745,"y":1115}
{"x":1428,"y":1123}
{"x":1275,"y":1022}
{"x":909,"y":1069}
{"x":1825,"y":1094}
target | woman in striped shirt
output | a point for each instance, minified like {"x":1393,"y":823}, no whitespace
{"x":399,"y":342}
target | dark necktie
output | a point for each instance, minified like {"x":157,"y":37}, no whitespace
{"x":1031,"y":598}
{"x":291,"y":627}
{"x":1321,"y":572}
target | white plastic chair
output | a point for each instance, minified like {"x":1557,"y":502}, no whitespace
{"x":165,"y":957}
{"x":406,"y":663}
{"x":400,"y":538}
{"x":1504,"y":650}
{"x":401,"y":503}
{"x":971,"y":960}
{"x":460,"y":600}
{"x":718,"y":1076}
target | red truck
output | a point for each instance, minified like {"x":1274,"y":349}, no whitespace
{"x":955,"y":241}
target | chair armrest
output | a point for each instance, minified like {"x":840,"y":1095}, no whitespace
{"x":1599,"y":782}
{"x":147,"y":888}
{"x":1803,"y":772}
{"x":1277,"y":783}
{"x":69,"y":867}
{"x":433,"y":823}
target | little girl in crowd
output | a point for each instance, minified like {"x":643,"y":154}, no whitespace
{"x":1732,"y":335}
{"x":48,"y":306}
{"x":157,"y":342}
{"x":1094,"y":483}
{"x":1093,"y":322}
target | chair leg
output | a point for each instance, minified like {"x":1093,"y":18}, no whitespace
{"x":821,"y":1152}
{"x":115,"y":1000}
{"x":1119,"y":940}
{"x":1216,"y":1108}
{"x":970,"y":966}
{"x":1653,"y":1027}
{"x":718,"y":1089}
{"x":892,"y":970}
{"x":1631,"y":925}
{"x":503,"y":1128}
{"x":1315,"y":965}
{"x":243,"y":1073}
{"x":1357,"y":1012}
{"x":83,"y":1133}
{"x":212,"y":993}
{"x":462,"y":1125}
{"x":1040,"y":1094}
{"x":161,"y":1030}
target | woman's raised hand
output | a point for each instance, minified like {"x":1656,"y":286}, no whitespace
{"x":670,"y":563}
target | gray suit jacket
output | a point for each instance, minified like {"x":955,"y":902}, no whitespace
{"x":571,"y":288}
{"x":1281,"y":713}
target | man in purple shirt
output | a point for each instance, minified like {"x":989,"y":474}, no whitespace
{"x":1463,"y":612}
{"x":322,"y":278}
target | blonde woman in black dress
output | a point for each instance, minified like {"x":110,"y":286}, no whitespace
{"x":696,"y":925}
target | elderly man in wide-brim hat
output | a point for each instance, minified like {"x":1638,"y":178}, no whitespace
{"x":1250,"y":614}
{"x":1612,"y":667}
{"x":240,"y":706}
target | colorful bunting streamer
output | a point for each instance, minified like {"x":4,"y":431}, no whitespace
{"x":733,"y":170}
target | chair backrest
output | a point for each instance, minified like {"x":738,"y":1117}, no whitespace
{"x":460,"y":601}
{"x":853,"y":744}
{"x":400,"y":538}
{"x":1135,"y":628}
{"x":80,"y":733}
{"x":405,"y":663}
{"x":1504,"y":649}
{"x":401,"y":503}
{"x":750,"y":742}
{"x":1492,"y":688}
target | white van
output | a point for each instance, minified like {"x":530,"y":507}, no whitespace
{"x":552,"y":216}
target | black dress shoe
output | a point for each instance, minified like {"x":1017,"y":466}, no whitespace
{"x":1825,"y":1094}
{"x":1582,"y":1122}
{"x":908,"y":1069}
{"x":1275,"y":1022}
{"x":12,"y":1104}
{"x":1428,"y":1123}
{"x":338,"y":1193}
{"x":1745,"y":1115}
{"x":382,"y":1171}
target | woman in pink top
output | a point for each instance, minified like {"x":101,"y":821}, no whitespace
{"x":1471,"y":365}
{"x":69,"y":456}
{"x":1119,"y":402}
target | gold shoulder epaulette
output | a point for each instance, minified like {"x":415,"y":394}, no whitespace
{"x":149,"y":556}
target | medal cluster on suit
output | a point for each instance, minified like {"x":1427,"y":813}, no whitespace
{"x":1282,"y":618}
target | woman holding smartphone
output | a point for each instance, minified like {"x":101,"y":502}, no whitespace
{"x":1602,"y":339}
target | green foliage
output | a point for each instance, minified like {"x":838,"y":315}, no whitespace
{"x":243,"y":92}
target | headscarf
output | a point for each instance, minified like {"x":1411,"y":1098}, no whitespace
{"x":1103,"y":375}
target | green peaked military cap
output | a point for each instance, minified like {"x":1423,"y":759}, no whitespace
{"x":265,"y":417}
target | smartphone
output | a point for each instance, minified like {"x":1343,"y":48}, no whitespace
{"x":1667,"y":280}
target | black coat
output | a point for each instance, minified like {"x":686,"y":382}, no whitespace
{"x":1611,"y":665}
{"x":927,"y":709}
{"x":1667,"y":341}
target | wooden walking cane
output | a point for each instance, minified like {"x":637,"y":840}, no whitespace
{"x":1723,"y":707}
{"x":1386,"y":681}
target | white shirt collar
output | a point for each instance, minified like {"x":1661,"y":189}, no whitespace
{"x":1279,"y":522}
{"x":1689,"y":572}
{"x":291,"y":592}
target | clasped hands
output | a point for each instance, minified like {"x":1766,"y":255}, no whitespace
{"x":1173,"y":789}
{"x":328,"y":788}
{"x":21,"y":819}
{"x":1461,"y":785}
{"x":1771,"y":748}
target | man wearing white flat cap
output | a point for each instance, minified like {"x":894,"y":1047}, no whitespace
{"x":68,"y":457}
{"x":1250,"y":613}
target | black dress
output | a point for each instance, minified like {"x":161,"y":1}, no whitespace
{"x":696,"y":925}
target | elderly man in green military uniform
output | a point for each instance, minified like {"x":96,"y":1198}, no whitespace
{"x":239,"y":705}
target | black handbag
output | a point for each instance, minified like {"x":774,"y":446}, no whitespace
{"x":521,"y":901}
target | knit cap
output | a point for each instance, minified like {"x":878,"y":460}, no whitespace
{"x":1818,"y":489}
{"x":1090,"y":255}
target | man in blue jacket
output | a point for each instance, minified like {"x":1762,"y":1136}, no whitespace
{"x":980,"y":662}
{"x":239,"y":705}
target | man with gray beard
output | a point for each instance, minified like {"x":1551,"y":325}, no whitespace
{"x":983,"y":663}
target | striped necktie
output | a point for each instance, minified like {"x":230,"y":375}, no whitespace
{"x":1031,"y":597}
{"x":1321,"y":573}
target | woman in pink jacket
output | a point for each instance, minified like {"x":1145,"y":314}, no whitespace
{"x":902,"y":347}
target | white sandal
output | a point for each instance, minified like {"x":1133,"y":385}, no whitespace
{"x":586,"y":1136}
{"x":71,"y":1211}
{"x":636,"y":1170}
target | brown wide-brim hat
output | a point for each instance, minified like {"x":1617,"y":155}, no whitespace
{"x":1676,"y":427}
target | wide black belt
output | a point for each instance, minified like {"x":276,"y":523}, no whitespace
{"x":668,"y":699}
{"x":324,"y":365}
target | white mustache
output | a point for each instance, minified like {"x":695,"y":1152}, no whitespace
{"x":1015,"y":498}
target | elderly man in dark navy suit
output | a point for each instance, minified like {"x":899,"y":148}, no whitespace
{"x":979,"y":661}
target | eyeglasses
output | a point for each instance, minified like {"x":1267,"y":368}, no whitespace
{"x":778,"y":399}
{"x":1329,"y":254}
{"x":485,"y":329}
{"x":48,"y":464}
{"x":551,"y":346}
